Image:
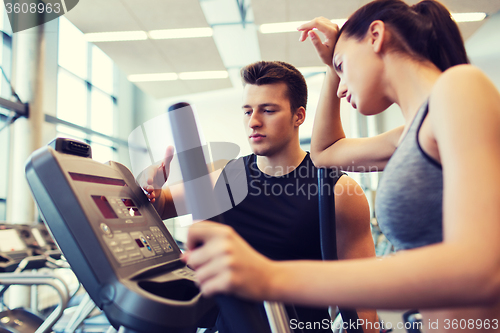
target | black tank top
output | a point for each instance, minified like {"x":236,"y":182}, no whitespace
{"x":279,"y":218}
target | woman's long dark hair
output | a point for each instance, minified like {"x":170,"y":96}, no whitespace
{"x":424,"y":30}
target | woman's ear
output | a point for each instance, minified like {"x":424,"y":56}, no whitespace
{"x":377,"y":35}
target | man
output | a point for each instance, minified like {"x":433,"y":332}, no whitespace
{"x":279,"y":216}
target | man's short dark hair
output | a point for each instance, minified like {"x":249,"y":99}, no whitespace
{"x":269,"y":72}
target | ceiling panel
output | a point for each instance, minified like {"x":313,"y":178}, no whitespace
{"x":164,"y":89}
{"x":207,"y":85}
{"x":286,"y":47}
{"x":464,"y":6}
{"x":137,"y":57}
{"x":100,"y":16}
{"x":191,"y":54}
{"x":167,"y":14}
{"x":299,"y":10}
{"x":179,"y":87}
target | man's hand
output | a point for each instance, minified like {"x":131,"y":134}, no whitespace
{"x":154,"y":177}
{"x":329,"y":29}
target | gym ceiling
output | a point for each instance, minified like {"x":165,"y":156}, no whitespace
{"x":236,"y":38}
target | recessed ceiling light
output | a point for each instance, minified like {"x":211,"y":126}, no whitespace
{"x":203,"y":75}
{"x":116,"y":36}
{"x":153,"y":77}
{"x":312,"y":69}
{"x":180,"y":33}
{"x":468,"y":17}
{"x":272,"y":28}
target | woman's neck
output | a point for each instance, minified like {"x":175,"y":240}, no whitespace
{"x":409,"y":83}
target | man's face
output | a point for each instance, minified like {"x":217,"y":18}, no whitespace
{"x":269,"y":123}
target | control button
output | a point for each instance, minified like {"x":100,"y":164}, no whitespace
{"x":126,"y":242}
{"x":135,"y":255}
{"x":105,"y":228}
{"x":129,"y":221}
{"x":157,"y":249}
{"x":122,"y":257}
{"x":122,"y":237}
{"x":113,"y":243}
{"x":130,"y":248}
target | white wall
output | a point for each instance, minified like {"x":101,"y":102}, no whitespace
{"x":483,"y":48}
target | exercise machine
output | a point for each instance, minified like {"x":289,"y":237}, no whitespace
{"x":115,"y":242}
{"x":118,"y":246}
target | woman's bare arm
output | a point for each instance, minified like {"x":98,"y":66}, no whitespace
{"x":329,"y":146}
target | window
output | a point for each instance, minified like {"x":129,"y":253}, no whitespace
{"x":85,"y":92}
{"x":5,"y":92}
{"x":4,"y":164}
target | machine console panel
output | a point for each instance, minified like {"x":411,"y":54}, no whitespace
{"x":119,"y":213}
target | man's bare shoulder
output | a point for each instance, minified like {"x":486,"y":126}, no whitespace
{"x":349,"y":197}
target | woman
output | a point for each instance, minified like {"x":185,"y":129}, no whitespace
{"x":438,"y":198}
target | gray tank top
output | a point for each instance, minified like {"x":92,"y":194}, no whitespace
{"x":410,"y":194}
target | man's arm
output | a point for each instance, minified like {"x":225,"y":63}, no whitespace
{"x":354,"y":237}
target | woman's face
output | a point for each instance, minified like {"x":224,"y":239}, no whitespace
{"x":361,"y":72}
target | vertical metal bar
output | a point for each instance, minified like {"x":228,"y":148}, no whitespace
{"x":277,"y":317}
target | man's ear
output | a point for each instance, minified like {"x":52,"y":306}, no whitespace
{"x":377,"y":34}
{"x":300,"y":116}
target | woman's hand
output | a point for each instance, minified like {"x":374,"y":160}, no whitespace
{"x":225,"y":263}
{"x":329,"y":29}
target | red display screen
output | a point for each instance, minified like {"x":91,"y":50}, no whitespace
{"x":81,"y":177}
{"x":104,"y":206}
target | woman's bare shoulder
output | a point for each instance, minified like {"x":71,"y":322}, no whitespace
{"x":462,"y":87}
{"x":460,"y":77}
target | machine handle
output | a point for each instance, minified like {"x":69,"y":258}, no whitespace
{"x":41,"y":279}
{"x":328,"y":236}
{"x":200,"y":199}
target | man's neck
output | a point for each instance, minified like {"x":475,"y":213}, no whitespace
{"x":283,"y":162}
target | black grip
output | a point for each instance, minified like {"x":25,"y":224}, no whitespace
{"x":327,"y":227}
{"x":328,"y":236}
{"x":245,"y":314}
